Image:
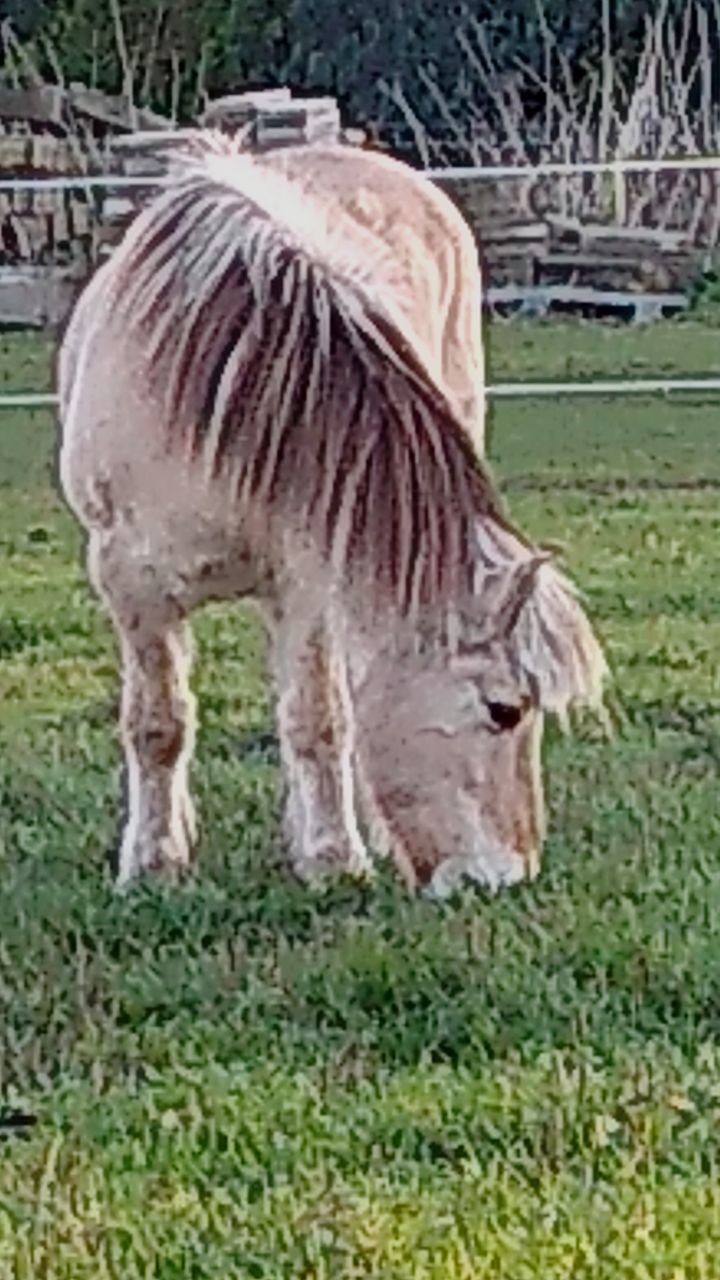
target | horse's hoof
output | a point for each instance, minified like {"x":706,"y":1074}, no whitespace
{"x":330,"y":862}
{"x":159,"y":866}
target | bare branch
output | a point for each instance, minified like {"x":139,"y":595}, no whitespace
{"x":128,"y":77}
{"x":395,"y":94}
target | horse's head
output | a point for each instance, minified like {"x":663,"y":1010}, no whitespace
{"x":454,"y":774}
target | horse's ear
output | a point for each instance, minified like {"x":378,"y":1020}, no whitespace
{"x":518,"y":588}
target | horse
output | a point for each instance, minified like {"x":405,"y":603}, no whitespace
{"x":250,"y":408}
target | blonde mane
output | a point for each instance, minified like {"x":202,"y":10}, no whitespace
{"x":261,"y":329}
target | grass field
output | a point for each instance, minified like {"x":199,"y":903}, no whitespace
{"x":237,"y":1080}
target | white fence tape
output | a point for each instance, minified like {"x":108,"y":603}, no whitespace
{"x":498,"y":390}
{"x":633,"y":386}
{"x":551,"y":169}
{"x":78,"y":182}
{"x":560,"y":169}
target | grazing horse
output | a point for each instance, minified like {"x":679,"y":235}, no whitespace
{"x":251,"y":408}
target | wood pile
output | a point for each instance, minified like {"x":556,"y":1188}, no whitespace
{"x":39,"y":226}
{"x":50,"y":106}
{"x":270,"y":118}
{"x":591,"y":268}
{"x":273,"y":118}
{"x":50,"y":240}
{"x":509,"y":252}
{"x":490,"y":202}
{"x":636,"y":259}
{"x":521,"y":249}
{"x":48,"y":132}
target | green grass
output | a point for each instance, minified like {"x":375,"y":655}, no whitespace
{"x":237,"y":1080}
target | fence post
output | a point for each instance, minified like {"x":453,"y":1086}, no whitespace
{"x":620,"y":196}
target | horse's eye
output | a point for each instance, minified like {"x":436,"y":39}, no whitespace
{"x":505,"y":715}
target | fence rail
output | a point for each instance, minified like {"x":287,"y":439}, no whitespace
{"x":495,"y":391}
{"x":491,"y":172}
{"x":632,"y":386}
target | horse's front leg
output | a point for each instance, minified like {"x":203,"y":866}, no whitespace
{"x":317,"y":739}
{"x":157,"y":722}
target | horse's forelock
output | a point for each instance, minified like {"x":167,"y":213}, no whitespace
{"x":555,"y":646}
{"x":532,"y":609}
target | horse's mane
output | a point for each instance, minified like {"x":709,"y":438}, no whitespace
{"x":258,"y":327}
{"x":261,"y":327}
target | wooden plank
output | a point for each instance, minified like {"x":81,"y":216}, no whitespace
{"x":49,"y":154}
{"x":276,"y":118}
{"x":61,"y":229}
{"x":538,"y":299}
{"x":510,"y":232}
{"x":118,"y":209}
{"x":305,"y":130}
{"x":143,"y":141}
{"x":504,"y":255}
{"x":652,"y":271}
{"x":509,"y":252}
{"x":143,"y":153}
{"x":240,"y":108}
{"x":117,"y":112}
{"x":485,"y":201}
{"x":568,"y":293}
{"x":646,"y":235}
{"x":508,"y":270}
{"x":15,"y":152}
{"x":585,"y":260}
{"x":45,"y":105}
{"x":619,"y":240}
{"x":81,"y":220}
{"x":35,"y":228}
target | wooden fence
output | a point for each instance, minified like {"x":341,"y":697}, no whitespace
{"x":50,"y":240}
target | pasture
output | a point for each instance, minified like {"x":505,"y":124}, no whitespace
{"x":239,"y":1080}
